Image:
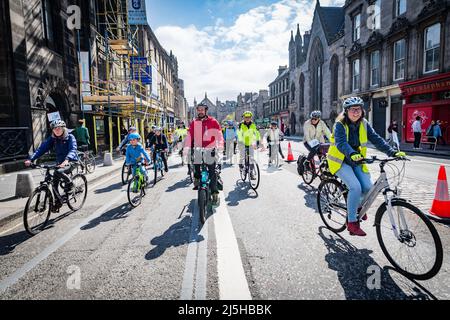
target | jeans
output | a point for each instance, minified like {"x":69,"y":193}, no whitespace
{"x":359,"y":184}
{"x":163,"y":157}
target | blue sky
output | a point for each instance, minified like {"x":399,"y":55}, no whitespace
{"x":225,"y":47}
{"x":198,"y":12}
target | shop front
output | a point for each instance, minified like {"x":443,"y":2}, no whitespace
{"x":428,"y":98}
{"x":284,"y":122}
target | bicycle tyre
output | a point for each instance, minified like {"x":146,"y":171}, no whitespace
{"x":255,"y":185}
{"x":202,"y":205}
{"x":308,"y":175}
{"x":134,"y":201}
{"x":90,"y":164}
{"x":324,"y":212}
{"x":27,"y":211}
{"x":437,"y":241}
{"x":126,"y":172}
{"x":72,"y":206}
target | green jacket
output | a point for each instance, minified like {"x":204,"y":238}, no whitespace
{"x":82,"y":135}
{"x":248,"y":135}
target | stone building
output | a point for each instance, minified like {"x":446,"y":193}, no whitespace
{"x":316,"y":74}
{"x":279,"y":98}
{"x":38,"y":73}
{"x":399,"y":61}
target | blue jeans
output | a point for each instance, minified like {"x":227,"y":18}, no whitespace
{"x":359,"y":184}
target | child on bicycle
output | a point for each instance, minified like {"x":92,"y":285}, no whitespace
{"x":273,"y":137}
{"x":159,"y":143}
{"x":125,"y":142}
{"x":349,"y":148}
{"x":249,"y":137}
{"x":65,"y":146}
{"x":135,"y":154}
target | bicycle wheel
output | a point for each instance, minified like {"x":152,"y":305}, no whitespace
{"x":77,"y":196}
{"x":254,"y":184}
{"x":418,"y":253}
{"x":155,"y":170}
{"x":90,"y":163}
{"x":308,"y":173}
{"x":37,"y":210}
{"x":126,"y":173}
{"x":134,"y":193}
{"x":80,"y":165}
{"x":202,"y":205}
{"x":332,"y":204}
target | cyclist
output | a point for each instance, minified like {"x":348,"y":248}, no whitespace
{"x":205,"y":132}
{"x":273,"y":137}
{"x":315,"y":132}
{"x":180,"y":135}
{"x":149,"y":137}
{"x":65,"y":146}
{"x":248,"y":137}
{"x":348,"y":148}
{"x":135,"y":152}
{"x":122,"y":146}
{"x":230,"y":137}
{"x":159,"y":143}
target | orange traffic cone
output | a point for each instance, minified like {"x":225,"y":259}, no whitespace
{"x":290,"y":155}
{"x":441,"y":203}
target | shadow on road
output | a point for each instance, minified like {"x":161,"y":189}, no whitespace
{"x":242,"y":191}
{"x":110,"y":188}
{"x":180,"y":185}
{"x":355,"y":267}
{"x":177,"y":235}
{"x":8,"y":243}
{"x":310,"y":196}
{"x":117,"y":213}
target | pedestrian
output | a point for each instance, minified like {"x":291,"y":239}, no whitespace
{"x":273,"y":138}
{"x":438,"y":133}
{"x":431,"y":133}
{"x":393,"y":135}
{"x":417,"y":129}
{"x":81,"y":134}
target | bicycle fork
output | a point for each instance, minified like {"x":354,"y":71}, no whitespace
{"x":402,"y":225}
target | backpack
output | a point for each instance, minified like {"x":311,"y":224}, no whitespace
{"x":300,"y":167}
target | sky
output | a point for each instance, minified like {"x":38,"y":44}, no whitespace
{"x":225,"y":47}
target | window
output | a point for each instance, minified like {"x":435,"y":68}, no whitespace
{"x":356,"y":27}
{"x":399,"y":59}
{"x":50,"y":24}
{"x":356,"y":76}
{"x":375,"y":15}
{"x":375,"y":68}
{"x":432,"y":46}
{"x":334,"y":67}
{"x":400,"y":7}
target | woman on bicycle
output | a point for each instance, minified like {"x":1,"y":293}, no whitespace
{"x":159,"y":143}
{"x":348,"y":149}
{"x":315,"y":132}
{"x":65,"y":146}
{"x":135,"y":152}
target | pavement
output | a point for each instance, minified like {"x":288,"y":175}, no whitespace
{"x":12,"y":207}
{"x":270,"y":244}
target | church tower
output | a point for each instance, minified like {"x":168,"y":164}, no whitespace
{"x":292,"y":63}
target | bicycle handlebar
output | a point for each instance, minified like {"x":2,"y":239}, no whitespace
{"x":376,"y":159}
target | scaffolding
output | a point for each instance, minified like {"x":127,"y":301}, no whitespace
{"x":119,"y":91}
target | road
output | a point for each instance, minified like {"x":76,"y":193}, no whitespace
{"x":266,"y":245}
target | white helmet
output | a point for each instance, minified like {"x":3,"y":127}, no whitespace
{"x":352,"y":101}
{"x":57,"y":124}
{"x":316,"y":114}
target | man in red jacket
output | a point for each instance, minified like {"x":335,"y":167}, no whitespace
{"x":205,"y":133}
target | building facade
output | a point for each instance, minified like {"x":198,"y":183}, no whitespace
{"x":279,"y":98}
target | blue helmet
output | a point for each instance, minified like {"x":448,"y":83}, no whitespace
{"x":351,"y":102}
{"x":134,"y":136}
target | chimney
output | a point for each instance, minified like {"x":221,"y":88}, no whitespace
{"x":281,"y":69}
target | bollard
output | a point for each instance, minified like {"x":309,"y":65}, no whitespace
{"x":108,"y":160}
{"x":24,"y":185}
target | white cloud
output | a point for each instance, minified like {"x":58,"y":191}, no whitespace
{"x":225,"y":60}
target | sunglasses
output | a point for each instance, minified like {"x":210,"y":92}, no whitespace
{"x":315,"y":119}
{"x":355,"y":110}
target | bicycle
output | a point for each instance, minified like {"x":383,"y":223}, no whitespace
{"x":136,"y":186}
{"x":86,"y":161}
{"x":275,"y":158}
{"x":317,"y":167}
{"x":246,"y":171}
{"x":393,"y":221}
{"x":41,"y":202}
{"x":158,"y":166}
{"x":204,"y":191}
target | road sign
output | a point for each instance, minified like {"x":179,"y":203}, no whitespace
{"x":53,"y":116}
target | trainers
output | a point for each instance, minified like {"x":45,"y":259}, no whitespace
{"x":215,"y":200}
{"x":355,"y":230}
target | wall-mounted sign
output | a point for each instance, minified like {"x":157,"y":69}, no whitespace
{"x":137,"y":14}
{"x":53,"y":116}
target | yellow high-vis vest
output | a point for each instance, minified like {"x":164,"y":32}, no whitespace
{"x":336,"y":158}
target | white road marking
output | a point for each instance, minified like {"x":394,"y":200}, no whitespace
{"x":232,"y":281}
{"x":19,"y":273}
{"x":202,"y":264}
